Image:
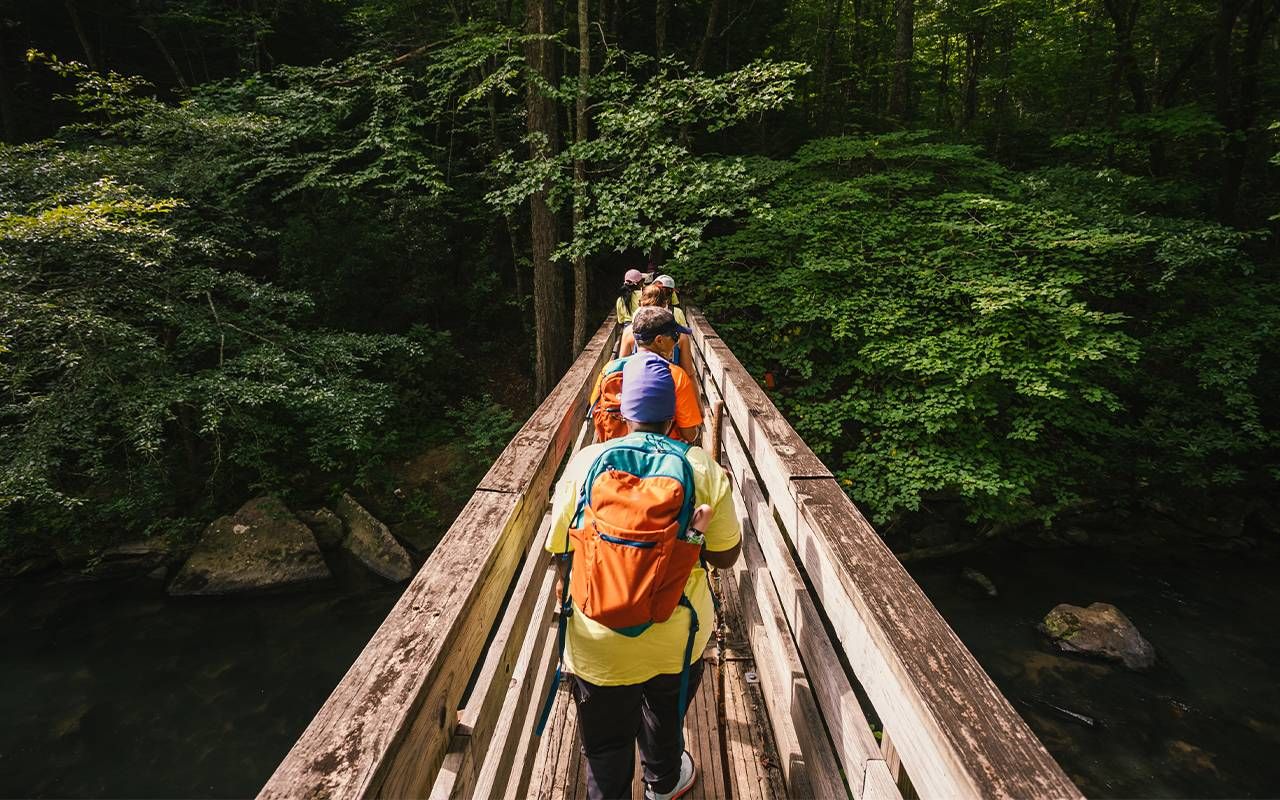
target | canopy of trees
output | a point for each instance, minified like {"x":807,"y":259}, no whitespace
{"x":1008,"y":259}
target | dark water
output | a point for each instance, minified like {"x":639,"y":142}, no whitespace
{"x":116,"y":690}
{"x":1204,"y":723}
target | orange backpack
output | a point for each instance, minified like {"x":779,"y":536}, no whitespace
{"x":631,"y":559}
{"x":606,"y":406}
{"x":606,"y":403}
{"x":632,"y":550}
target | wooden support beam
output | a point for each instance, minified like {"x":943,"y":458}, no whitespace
{"x":792,"y":709}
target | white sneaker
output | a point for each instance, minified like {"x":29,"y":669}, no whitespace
{"x":688,"y":774}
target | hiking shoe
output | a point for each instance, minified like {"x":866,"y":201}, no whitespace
{"x":688,"y":774}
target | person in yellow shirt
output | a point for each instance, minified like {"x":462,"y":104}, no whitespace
{"x":629,"y":296}
{"x":627,"y":689}
{"x":659,"y":295}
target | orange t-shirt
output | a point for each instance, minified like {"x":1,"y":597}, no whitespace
{"x":688,"y":412}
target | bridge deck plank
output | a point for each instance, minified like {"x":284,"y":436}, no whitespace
{"x":560,"y":773}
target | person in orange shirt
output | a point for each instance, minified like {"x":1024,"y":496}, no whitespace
{"x":655,"y":331}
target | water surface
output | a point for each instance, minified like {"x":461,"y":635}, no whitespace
{"x":1204,"y":723}
{"x":113,"y":689}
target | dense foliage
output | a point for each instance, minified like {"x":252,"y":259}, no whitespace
{"x":1004,"y":261}
{"x":940,"y":326}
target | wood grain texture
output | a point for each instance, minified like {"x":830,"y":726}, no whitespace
{"x":837,"y":701}
{"x":526,"y":615}
{"x":386,"y":728}
{"x":401,"y":678}
{"x":559,"y":772}
{"x":770,"y":439}
{"x":788,"y":694}
{"x":956,"y":734}
{"x":525,"y":744}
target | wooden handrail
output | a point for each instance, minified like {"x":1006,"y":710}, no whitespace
{"x":385,"y":729}
{"x":956,"y":734}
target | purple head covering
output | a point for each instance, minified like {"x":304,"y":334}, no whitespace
{"x":648,"y":390}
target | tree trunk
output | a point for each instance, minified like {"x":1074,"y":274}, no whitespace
{"x":580,"y":178}
{"x":824,"y":68}
{"x":1124,"y":16}
{"x":168,"y":57}
{"x":89,"y":56}
{"x":661,"y":17}
{"x":708,"y":35}
{"x":944,"y":81}
{"x":8,"y":105}
{"x":903,"y":51}
{"x":1242,"y":106}
{"x":548,"y":280}
{"x":972,"y":55}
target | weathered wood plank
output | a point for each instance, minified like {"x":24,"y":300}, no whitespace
{"x":926,"y":684}
{"x":556,"y":421}
{"x":519,"y":767}
{"x":837,"y":700}
{"x":956,"y":734}
{"x":356,"y":742}
{"x":478,"y":718}
{"x":788,"y":693}
{"x":878,"y":784}
{"x":770,"y":439}
{"x":387,"y":726}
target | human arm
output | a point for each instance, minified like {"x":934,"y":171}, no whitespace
{"x":718,"y":523}
{"x":628,"y":344}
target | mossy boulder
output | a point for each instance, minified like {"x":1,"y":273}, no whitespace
{"x":262,"y":547}
{"x":1101,"y":631}
{"x":372,"y":543}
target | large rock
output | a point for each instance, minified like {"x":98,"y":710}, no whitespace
{"x":326,"y":526}
{"x":1100,"y":630}
{"x":371,"y":542}
{"x":129,"y":559}
{"x":262,"y":547}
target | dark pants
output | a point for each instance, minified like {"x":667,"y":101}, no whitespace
{"x":611,"y":719}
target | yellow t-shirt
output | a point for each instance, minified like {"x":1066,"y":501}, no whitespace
{"x":596,"y":653}
{"x":623,"y":308}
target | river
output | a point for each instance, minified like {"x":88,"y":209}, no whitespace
{"x":1205,"y":722}
{"x":115,"y":690}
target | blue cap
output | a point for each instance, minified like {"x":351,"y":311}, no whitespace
{"x":648,"y":390}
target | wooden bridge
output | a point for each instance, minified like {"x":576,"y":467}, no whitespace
{"x":831,"y":676}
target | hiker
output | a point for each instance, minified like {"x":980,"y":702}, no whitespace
{"x":658,"y":294}
{"x":670,"y":283}
{"x":639,"y":612}
{"x":628,"y":301}
{"x":656,"y":332}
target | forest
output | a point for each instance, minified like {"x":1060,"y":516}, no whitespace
{"x":1006,"y":264}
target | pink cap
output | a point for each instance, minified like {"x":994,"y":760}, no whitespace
{"x":633,"y":276}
